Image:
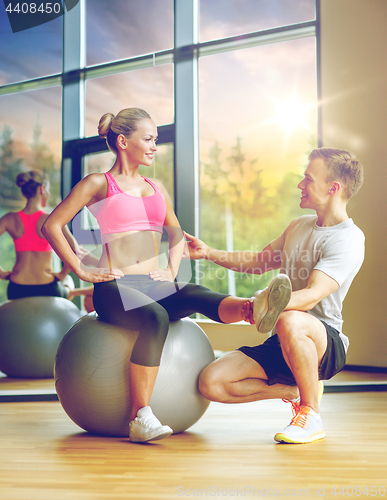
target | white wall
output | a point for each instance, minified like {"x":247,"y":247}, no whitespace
{"x":354,"y":114}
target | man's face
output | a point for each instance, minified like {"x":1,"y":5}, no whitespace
{"x":314,"y":186}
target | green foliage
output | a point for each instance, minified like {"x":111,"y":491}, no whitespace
{"x":10,"y":166}
{"x":233,"y":194}
{"x":42,"y":158}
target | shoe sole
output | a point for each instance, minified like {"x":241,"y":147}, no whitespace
{"x":279,"y":294}
{"x":320,"y":390}
{"x":282,"y":438}
{"x":162,"y":435}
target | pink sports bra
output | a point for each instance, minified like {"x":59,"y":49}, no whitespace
{"x":31,"y":241}
{"x":123,"y":212}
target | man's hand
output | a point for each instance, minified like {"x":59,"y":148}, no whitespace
{"x":195,"y":248}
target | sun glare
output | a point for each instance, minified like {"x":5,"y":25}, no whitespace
{"x":291,"y":114}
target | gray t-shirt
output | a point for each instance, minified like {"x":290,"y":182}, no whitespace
{"x":337,"y":251}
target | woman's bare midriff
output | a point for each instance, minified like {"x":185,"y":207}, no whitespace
{"x":132,"y":252}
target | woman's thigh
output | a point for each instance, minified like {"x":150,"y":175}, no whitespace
{"x":124,"y":306}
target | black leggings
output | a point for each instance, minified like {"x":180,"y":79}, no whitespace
{"x":136,"y":302}
{"x":53,"y":289}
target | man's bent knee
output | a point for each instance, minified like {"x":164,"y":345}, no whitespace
{"x":292,"y":324}
{"x":295,"y":325}
{"x":288,"y":320}
{"x":210,"y":383}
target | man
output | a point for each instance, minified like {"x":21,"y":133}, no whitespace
{"x":319,"y":256}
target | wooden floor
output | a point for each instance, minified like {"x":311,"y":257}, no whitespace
{"x":345,"y":381}
{"x":229,"y":453}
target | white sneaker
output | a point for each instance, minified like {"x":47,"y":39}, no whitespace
{"x":146,"y":427}
{"x":306,"y":426}
{"x":270,"y":302}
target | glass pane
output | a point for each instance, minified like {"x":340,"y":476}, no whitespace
{"x":92,"y":164}
{"x":32,"y":53}
{"x":32,"y":129}
{"x":30,"y":138}
{"x":150,"y":89}
{"x":118,"y":30}
{"x":255,"y":135}
{"x":162,"y":168}
{"x":98,"y":163}
{"x":224,"y":18}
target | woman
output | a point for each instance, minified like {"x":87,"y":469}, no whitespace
{"x":130,"y":290}
{"x":33,"y":275}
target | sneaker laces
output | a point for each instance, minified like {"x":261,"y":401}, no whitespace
{"x":301,"y":417}
{"x":295,"y":406}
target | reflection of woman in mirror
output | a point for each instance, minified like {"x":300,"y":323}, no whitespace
{"x":32,"y":274}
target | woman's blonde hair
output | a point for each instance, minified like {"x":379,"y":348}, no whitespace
{"x":125,"y":123}
{"x":29,"y":182}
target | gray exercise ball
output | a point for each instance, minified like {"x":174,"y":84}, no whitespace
{"x":31,"y":330}
{"x":92,"y":376}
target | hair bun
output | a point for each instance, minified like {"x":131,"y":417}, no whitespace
{"x":22,"y":179}
{"x":104,"y":125}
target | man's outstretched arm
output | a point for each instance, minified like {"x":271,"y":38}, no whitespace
{"x":239,"y":261}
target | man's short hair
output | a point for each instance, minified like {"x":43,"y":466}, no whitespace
{"x":342,"y":166}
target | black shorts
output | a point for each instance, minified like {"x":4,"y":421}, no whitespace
{"x":269,"y":356}
{"x":53,"y":289}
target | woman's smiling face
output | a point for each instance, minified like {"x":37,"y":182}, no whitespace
{"x":141,"y":145}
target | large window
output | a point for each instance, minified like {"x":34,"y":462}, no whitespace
{"x":226,"y":18}
{"x":29,"y":54}
{"x":149,"y":88}
{"x":231,"y":84}
{"x":119,"y":29}
{"x":254,"y":138}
